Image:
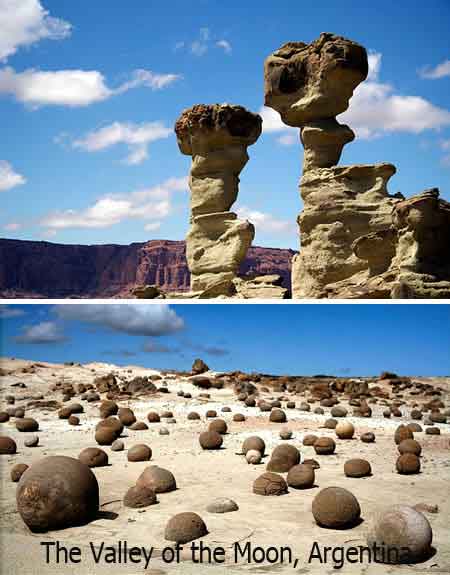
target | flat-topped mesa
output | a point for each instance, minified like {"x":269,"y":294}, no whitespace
{"x":217,"y":137}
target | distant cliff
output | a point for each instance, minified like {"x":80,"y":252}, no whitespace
{"x":43,"y":269}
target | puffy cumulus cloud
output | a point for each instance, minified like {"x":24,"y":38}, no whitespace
{"x":133,"y":319}
{"x":72,"y":88}
{"x":9,"y":311}
{"x":146,"y":204}
{"x":136,"y":136}
{"x":9,"y":178}
{"x":440,"y":71}
{"x":41,"y":333}
{"x":265,"y":222}
{"x":375,"y":109}
{"x":25,"y":22}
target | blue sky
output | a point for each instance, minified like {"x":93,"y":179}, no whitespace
{"x":356,"y":339}
{"x":89,"y":93}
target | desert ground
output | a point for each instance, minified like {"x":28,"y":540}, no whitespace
{"x":203,"y":476}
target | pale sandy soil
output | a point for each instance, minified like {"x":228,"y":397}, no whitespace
{"x":204,"y":475}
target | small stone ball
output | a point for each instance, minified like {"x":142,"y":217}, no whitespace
{"x":219,"y":425}
{"x":338,"y":411}
{"x":285,"y":434}
{"x":253,"y":457}
{"x":319,"y":411}
{"x":345,"y":430}
{"x":269,"y":484}
{"x":314,"y":464}
{"x":126,"y":416}
{"x":164,"y":431}
{"x":238,"y":417}
{"x":404,"y":534}
{"x":27,"y":424}
{"x":4,"y":416}
{"x":309,"y":439}
{"x":138,"y":497}
{"x":113,"y":423}
{"x":301,"y":476}
{"x":105,"y":436}
{"x":330,"y":423}
{"x":210,"y":440}
{"x":185,"y":527}
{"x":74,"y":420}
{"x":108,"y":408}
{"x":283,"y":458}
{"x":324,"y":446}
{"x":432,"y":431}
{"x":117,"y":445}
{"x":193,"y":415}
{"x":222,"y":505}
{"x":57,"y":492}
{"x":410,"y":446}
{"x":211,"y":413}
{"x":140,"y":452}
{"x":254,"y":443}
{"x":158,"y":479}
{"x":416,"y":414}
{"x":414,"y":427}
{"x":401,"y":433}
{"x":368,"y":437}
{"x":226,"y":409}
{"x":277,"y":416}
{"x":32,"y":441}
{"x":93,"y":457}
{"x":7,"y":445}
{"x":336,"y":508}
{"x":139,"y":426}
{"x":17,"y":471}
{"x":387,"y":413}
{"x":408,"y":464}
{"x":166,"y":414}
{"x":19,"y":413}
{"x":357,"y":468}
{"x":153,"y":417}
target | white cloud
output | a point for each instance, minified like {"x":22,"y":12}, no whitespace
{"x":289,"y":139}
{"x":225,"y":45}
{"x":12,"y":227}
{"x":200,"y":47}
{"x":133,"y":319}
{"x":147,"y":204}
{"x":265,"y":222}
{"x":9,"y":311}
{"x":152,"y":227}
{"x":72,"y":88}
{"x":135,"y":136}
{"x":25,"y":22}
{"x":8,"y":177}
{"x":44,"y":332}
{"x":440,"y":71}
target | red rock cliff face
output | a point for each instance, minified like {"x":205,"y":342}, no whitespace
{"x":43,"y":269}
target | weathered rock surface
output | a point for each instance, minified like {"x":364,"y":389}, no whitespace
{"x":217,"y":137}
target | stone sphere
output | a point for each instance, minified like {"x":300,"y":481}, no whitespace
{"x":277,"y":416}
{"x":211,"y":413}
{"x":314,"y":464}
{"x":222,"y":505}
{"x":387,"y":413}
{"x":164,"y":431}
{"x":166,"y":414}
{"x":309,"y":439}
{"x":324,"y":446}
{"x":238,"y":417}
{"x":269,"y":484}
{"x":357,"y":468}
{"x":126,"y":416}
{"x":153,"y":417}
{"x":140,"y":452}
{"x":336,"y":508}
{"x":193,"y":415}
{"x":4,"y":417}
{"x":283,"y":457}
{"x":17,"y":471}
{"x":27,"y":424}
{"x":338,"y":411}
{"x":105,"y":436}
{"x":158,"y":479}
{"x":253,"y":457}
{"x":416,"y":414}
{"x":74,"y":420}
{"x":185,"y":527}
{"x":301,"y":476}
{"x":414,"y":427}
{"x":408,"y":464}
{"x":111,"y":423}
{"x":345,"y":430}
{"x":285,"y":434}
{"x":432,"y":431}
{"x":93,"y":457}
{"x":219,"y":425}
{"x":139,"y":426}
{"x":20,"y":412}
{"x":210,"y":440}
{"x":117,"y":445}
{"x":254,"y":443}
{"x":368,"y":437}
{"x":402,"y":432}
{"x":64,"y":412}
{"x":404,"y":533}
{"x":139,"y":496}
{"x":410,"y":446}
{"x":31,"y":441}
{"x":330,"y":423}
{"x":57,"y":492}
{"x":108,"y":408}
{"x":7,"y":445}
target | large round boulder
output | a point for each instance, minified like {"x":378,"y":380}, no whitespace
{"x":402,"y":432}
{"x":270,"y":484}
{"x":158,"y":479}
{"x":93,"y":457}
{"x":57,"y":492}
{"x":139,"y":496}
{"x":408,"y":464}
{"x":210,"y":440}
{"x":219,"y":425}
{"x":7,"y":445}
{"x":254,"y":443}
{"x":140,"y":452}
{"x":301,"y":476}
{"x":357,"y":468}
{"x":345,"y":430}
{"x":185,"y":527}
{"x":283,"y":458}
{"x":277,"y":416}
{"x":336,"y":508}
{"x":27,"y":424}
{"x":410,"y":446}
{"x":324,"y":446}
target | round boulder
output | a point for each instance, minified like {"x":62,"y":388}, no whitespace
{"x":153,"y":417}
{"x":357,"y":468}
{"x":140,"y":452}
{"x":218,"y":425}
{"x":222,"y":505}
{"x":254,"y":443}
{"x":210,"y":440}
{"x":31,"y":441}
{"x":368,"y":437}
{"x":324,"y":446}
{"x":309,"y":439}
{"x":410,"y":446}
{"x":93,"y":457}
{"x":253,"y":457}
{"x":7,"y":445}
{"x":277,"y":416}
{"x":301,"y":476}
{"x":269,"y":484}
{"x":17,"y":471}
{"x":126,"y":416}
{"x":345,"y":430}
{"x":336,"y":508}
{"x":117,"y":445}
{"x":185,"y":527}
{"x":402,"y":432}
{"x":139,"y":496}
{"x":283,"y":458}
{"x":158,"y":479}
{"x":408,"y":464}
{"x":27,"y":424}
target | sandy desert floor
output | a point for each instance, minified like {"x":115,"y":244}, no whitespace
{"x":205,"y":475}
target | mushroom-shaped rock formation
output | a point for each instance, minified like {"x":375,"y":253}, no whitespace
{"x":139,"y":496}
{"x":270,"y":484}
{"x":185,"y":527}
{"x":336,"y":508}
{"x":158,"y":479}
{"x":57,"y":492}
{"x":217,"y":137}
{"x":401,"y":534}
